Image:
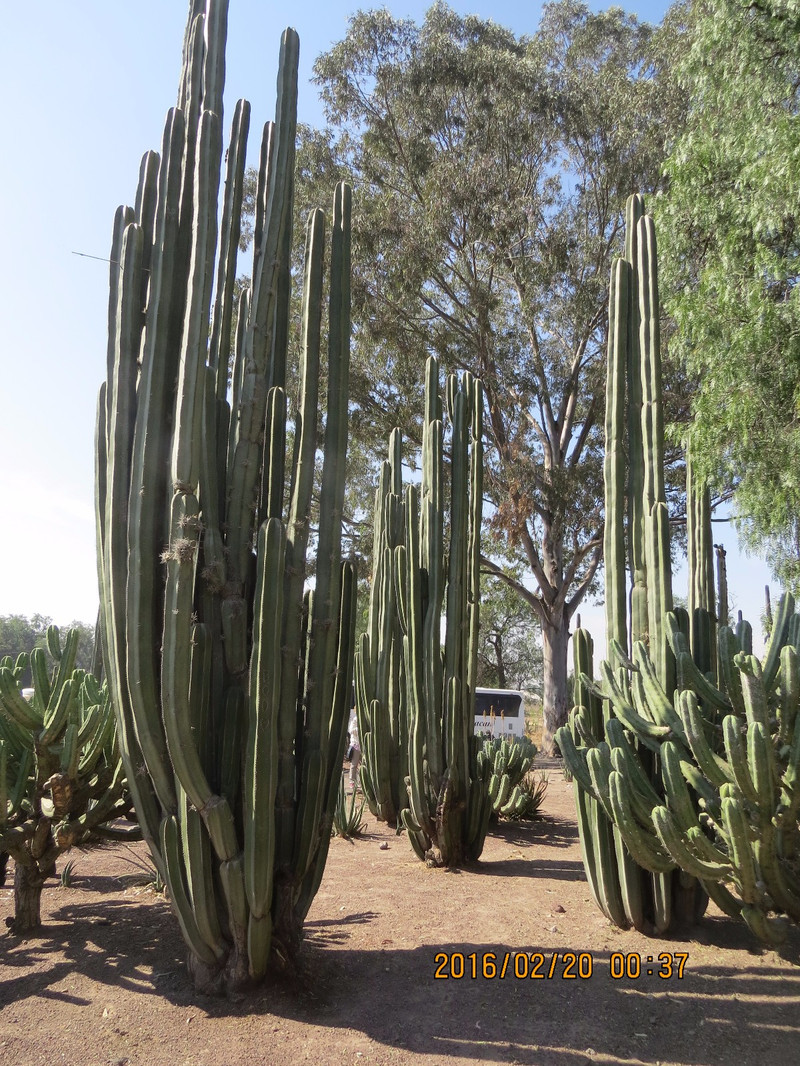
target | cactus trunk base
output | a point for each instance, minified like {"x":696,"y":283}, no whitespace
{"x":287,"y":933}
{"x":215,"y":981}
{"x":28,"y":884}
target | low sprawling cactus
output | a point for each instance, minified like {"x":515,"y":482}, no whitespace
{"x":231,"y":681}
{"x":727,"y":812}
{"x":61,"y":775}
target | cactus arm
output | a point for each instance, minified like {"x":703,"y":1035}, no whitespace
{"x":178,"y":894}
{"x":146,"y":533}
{"x":177,"y":650}
{"x":669,"y":834}
{"x":614,"y":463}
{"x":13,"y":705}
{"x":690,"y":677}
{"x":778,"y":638}
{"x":734,"y":821}
{"x":735,"y":754}
{"x":229,"y":244}
{"x":789,"y":693}
{"x":261,"y":763}
{"x":603,"y":849}
{"x":715,"y":768}
{"x":245,"y":451}
{"x":641,"y":844}
{"x":199,"y":877}
{"x":772,"y":932}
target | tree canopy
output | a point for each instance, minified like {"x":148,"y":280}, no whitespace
{"x":490,"y":173}
{"x":731,"y":242}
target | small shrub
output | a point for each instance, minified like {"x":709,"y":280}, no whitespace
{"x":347,"y":821}
{"x":532,"y":791}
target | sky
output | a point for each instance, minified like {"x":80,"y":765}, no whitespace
{"x":87,"y":85}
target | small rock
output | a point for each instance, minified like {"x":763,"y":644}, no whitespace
{"x":559,"y":909}
{"x":384,"y":846}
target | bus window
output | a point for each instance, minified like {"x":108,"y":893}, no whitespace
{"x":499,"y":713}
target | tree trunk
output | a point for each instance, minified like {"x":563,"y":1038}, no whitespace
{"x":28,"y":884}
{"x":501,"y":666}
{"x":555,"y":643}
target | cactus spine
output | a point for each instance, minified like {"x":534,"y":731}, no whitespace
{"x":231,"y":684}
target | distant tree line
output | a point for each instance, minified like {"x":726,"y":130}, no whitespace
{"x":20,"y":634}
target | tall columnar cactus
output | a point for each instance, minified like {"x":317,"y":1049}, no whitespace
{"x":628,"y":894}
{"x":231,"y":682}
{"x":61,"y":776}
{"x":448,"y":804}
{"x":380,"y":683}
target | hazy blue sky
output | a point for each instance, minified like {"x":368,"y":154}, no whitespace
{"x":87,"y":84}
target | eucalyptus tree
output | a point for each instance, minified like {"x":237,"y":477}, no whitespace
{"x":491,"y":172}
{"x":731,"y":229}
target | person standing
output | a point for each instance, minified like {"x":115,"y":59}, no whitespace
{"x":354,"y":751}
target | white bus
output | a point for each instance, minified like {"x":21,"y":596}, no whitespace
{"x":499,"y":712}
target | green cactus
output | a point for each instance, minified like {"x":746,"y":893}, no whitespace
{"x":447,"y":783}
{"x":631,"y":879}
{"x":231,"y":683}
{"x":684,"y":756}
{"x":379,"y":674}
{"x":729,"y":811}
{"x":510,"y":761}
{"x":61,"y":776}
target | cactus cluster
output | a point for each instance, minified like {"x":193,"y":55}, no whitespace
{"x":380,"y":682}
{"x":510,"y":761}
{"x":231,"y":681}
{"x":685,"y":755}
{"x":636,"y":539}
{"x":61,"y":776}
{"x":726,"y":809}
{"x":448,"y":803}
{"x":415,"y":693}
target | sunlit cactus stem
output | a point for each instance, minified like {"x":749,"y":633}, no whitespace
{"x":231,"y":683}
{"x":448,"y":779}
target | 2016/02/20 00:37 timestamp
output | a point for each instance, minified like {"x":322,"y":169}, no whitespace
{"x":564,"y":965}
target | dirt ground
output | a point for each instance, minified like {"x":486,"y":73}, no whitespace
{"x":106,"y":984}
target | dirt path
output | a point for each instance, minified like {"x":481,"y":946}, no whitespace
{"x":106,"y":985}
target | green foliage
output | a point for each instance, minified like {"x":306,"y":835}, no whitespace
{"x":230,"y":681}
{"x":528,"y":806}
{"x":62,"y":780}
{"x":510,"y":642}
{"x":731,"y":238}
{"x":492,"y":170}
